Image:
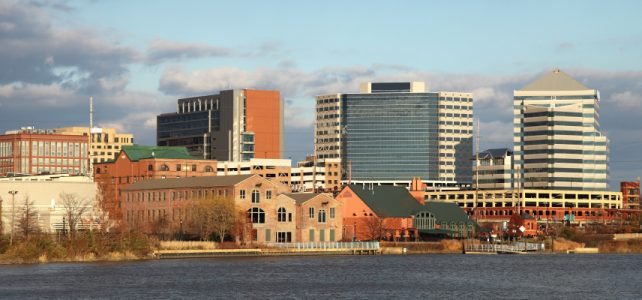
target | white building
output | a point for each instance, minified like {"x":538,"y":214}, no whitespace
{"x":493,"y":169}
{"x":45,"y":192}
{"x":557,"y":138}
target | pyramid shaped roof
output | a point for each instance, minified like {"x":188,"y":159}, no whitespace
{"x":555,"y":80}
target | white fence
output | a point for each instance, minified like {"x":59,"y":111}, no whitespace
{"x":514,"y":247}
{"x":327,"y":245}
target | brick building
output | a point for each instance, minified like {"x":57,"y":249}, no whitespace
{"x":392,"y":213}
{"x":318,"y":217}
{"x":29,"y":151}
{"x":138,"y":163}
{"x":274,"y":213}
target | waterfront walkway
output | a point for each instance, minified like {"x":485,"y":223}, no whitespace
{"x":514,"y":248}
{"x":281,"y":249}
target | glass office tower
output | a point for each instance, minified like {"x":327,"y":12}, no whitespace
{"x":392,"y":132}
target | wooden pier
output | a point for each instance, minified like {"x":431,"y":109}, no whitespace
{"x":514,"y":248}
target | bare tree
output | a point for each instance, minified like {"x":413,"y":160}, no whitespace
{"x":213,"y":215}
{"x":28,"y":221}
{"x":74,"y":208}
{"x":374,"y":228}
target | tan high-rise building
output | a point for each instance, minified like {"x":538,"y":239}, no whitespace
{"x":557,"y":138}
{"x":105,"y":142}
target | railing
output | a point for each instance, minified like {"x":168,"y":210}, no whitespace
{"x":327,"y":245}
{"x":515,"y":247}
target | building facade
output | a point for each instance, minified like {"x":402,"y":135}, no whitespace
{"x":30,"y":151}
{"x":44,"y":192}
{"x":275,"y":215}
{"x":139,"y":163}
{"x":630,"y":195}
{"x":234,"y":125}
{"x":105,"y":143}
{"x":557,"y":138}
{"x":392,"y":132}
{"x":585,"y":207}
{"x":493,"y":169}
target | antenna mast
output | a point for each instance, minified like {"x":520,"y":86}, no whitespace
{"x":91,"y":129}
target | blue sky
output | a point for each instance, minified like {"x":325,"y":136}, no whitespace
{"x":137,"y":57}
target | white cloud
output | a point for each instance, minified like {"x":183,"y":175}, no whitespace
{"x":627,"y":99}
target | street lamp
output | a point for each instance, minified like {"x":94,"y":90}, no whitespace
{"x":13,"y":213}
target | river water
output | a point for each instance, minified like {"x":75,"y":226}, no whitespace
{"x":601,"y":276}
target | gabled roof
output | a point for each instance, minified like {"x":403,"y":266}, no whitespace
{"x":301,"y":198}
{"x":495,"y":153}
{"x":136,"y":152}
{"x":387,"y":201}
{"x":187,"y":182}
{"x":555,"y":80}
{"x":446,"y":212}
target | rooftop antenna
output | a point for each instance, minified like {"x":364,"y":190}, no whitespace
{"x":91,"y":129}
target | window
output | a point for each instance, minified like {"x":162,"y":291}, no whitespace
{"x":256,"y":215}
{"x":284,"y":237}
{"x":281,"y":214}
{"x":311,"y":212}
{"x":256,"y":196}
{"x":268,"y":194}
{"x":208,"y":169}
{"x":268,"y":235}
{"x":321,"y":216}
{"x":332,"y":212}
{"x":150,"y":168}
{"x":164,"y":167}
{"x":193,"y":168}
{"x":242,"y":194}
{"x":178,"y":167}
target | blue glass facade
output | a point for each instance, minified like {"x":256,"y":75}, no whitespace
{"x":391,"y":136}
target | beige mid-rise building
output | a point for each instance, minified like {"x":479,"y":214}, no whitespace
{"x":105,"y":142}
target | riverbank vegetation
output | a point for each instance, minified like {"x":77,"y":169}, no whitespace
{"x":84,"y":246}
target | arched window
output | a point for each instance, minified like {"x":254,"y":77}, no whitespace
{"x":150,"y":167}
{"x":256,"y":196}
{"x":256,"y":215}
{"x":97,"y":170}
{"x":281,"y":215}
{"x":164,"y":167}
{"x":321,"y":215}
{"x":208,"y":169}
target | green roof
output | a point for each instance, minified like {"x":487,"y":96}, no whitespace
{"x":387,"y":201}
{"x":446,"y":212}
{"x":136,"y":152}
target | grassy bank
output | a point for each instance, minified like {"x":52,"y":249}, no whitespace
{"x":83,"y":247}
{"x":443,"y":246}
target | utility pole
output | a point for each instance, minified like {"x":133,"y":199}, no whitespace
{"x":13,"y":214}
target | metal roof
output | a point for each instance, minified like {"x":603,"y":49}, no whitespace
{"x":387,"y":201}
{"x":301,"y":198}
{"x":136,"y":153}
{"x":446,"y":212}
{"x":187,"y":182}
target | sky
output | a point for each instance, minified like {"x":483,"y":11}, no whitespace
{"x":137,"y":57}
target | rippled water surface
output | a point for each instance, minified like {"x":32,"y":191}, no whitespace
{"x":600,"y":276}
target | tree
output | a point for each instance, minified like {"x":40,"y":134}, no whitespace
{"x":74,"y":208}
{"x":28,"y":221}
{"x":374,"y":228}
{"x":213,"y":215}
